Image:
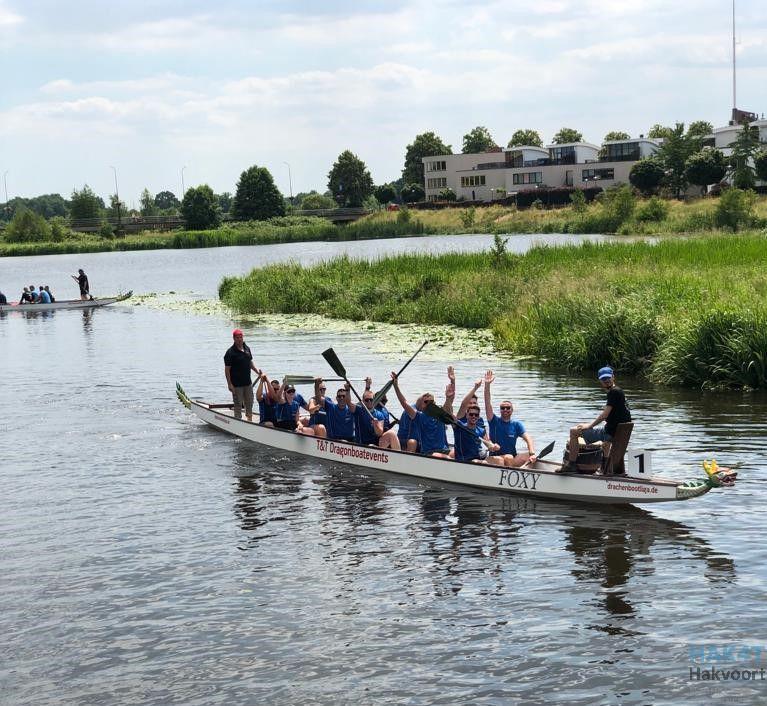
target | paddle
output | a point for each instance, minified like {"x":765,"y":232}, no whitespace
{"x":309,"y":380}
{"x":388,"y":385}
{"x":544,"y":452}
{"x":330,"y":356}
{"x":441,"y":415}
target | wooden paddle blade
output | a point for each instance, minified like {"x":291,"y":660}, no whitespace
{"x":546,"y":450}
{"x":299,"y":380}
{"x":382,"y":392}
{"x":438,"y":413}
{"x":333,"y":361}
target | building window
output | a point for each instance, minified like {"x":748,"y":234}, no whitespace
{"x":473,"y":180}
{"x":527,"y":178}
{"x":623,"y":152}
{"x":562,"y":155}
{"x":440,"y":166}
{"x":598,"y":174}
{"x":438,"y":183}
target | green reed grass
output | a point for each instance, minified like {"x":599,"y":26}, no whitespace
{"x":683,"y":311}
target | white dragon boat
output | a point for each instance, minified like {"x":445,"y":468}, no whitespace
{"x":66,"y":304}
{"x":541,"y":479}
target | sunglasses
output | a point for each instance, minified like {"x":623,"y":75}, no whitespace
{"x":473,"y":414}
{"x":367,"y":399}
{"x":340,"y":397}
{"x":322,"y":389}
{"x":505,"y":407}
{"x":290,"y":392}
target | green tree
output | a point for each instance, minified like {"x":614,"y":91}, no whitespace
{"x":349,"y":180}
{"x":760,"y":165}
{"x":225,"y":201}
{"x":616,"y":135}
{"x":525,"y":138}
{"x":148,"y":206}
{"x":412,"y":193}
{"x":734,"y":209}
{"x":257,"y":197}
{"x":447,"y":195}
{"x":744,"y":150}
{"x":700,"y":128}
{"x":200,"y":208}
{"x":314,"y":201}
{"x":27,"y":227}
{"x":647,"y":175}
{"x":85,"y":204}
{"x":385,"y":194}
{"x":166,"y":200}
{"x":567,"y":135}
{"x":478,"y":140}
{"x":426,"y":144}
{"x":705,"y":167}
{"x":659,"y":131}
{"x":676,"y":149}
{"x":116,"y":207}
{"x":46,"y":205}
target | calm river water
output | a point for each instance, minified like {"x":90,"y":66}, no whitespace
{"x":148,"y":559}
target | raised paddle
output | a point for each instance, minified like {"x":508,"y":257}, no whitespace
{"x":441,"y":415}
{"x":330,"y":356}
{"x":388,"y":385}
{"x":309,"y":380}
{"x":544,"y":452}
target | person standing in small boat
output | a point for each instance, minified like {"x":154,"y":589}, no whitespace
{"x":238,"y":362}
{"x":82,"y":281}
{"x":615,"y":412}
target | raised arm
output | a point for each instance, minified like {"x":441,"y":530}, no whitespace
{"x":260,"y":387}
{"x":449,"y":390}
{"x":466,"y":400}
{"x":489,"y":379}
{"x":405,"y":404}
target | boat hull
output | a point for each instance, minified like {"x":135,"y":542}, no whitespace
{"x":68,"y":304}
{"x":539,"y":480}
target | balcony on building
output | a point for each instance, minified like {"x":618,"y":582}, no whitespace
{"x":573,"y":153}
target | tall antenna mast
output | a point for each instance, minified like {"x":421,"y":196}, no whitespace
{"x":734,"y":79}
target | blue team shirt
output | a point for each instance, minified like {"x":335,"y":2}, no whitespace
{"x":505,"y":434}
{"x":431,"y":433}
{"x":288,"y":410}
{"x":340,"y":422}
{"x":408,"y":429}
{"x":467,"y":442}
{"x":480,"y":422}
{"x":365,"y":432}
{"x":45,"y":298}
{"x":387,"y":417}
{"x":267,"y":412}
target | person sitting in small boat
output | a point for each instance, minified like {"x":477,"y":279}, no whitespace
{"x":33,"y":296}
{"x":318,"y":418}
{"x":431,"y":432}
{"x":50,"y":294}
{"x":340,"y":420}
{"x":616,"y":411}
{"x":468,"y":438}
{"x":267,"y":396}
{"x":45,"y":298}
{"x":505,"y":431}
{"x":369,"y":423}
{"x":3,"y":298}
{"x":25,"y":297}
{"x":381,"y":406}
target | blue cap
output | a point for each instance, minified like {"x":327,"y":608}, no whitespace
{"x":605,"y":373}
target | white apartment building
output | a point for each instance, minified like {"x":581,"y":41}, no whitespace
{"x":492,"y":175}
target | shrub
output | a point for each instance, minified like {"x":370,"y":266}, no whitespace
{"x":619,"y":203}
{"x":734,"y":209}
{"x":27,"y":227}
{"x":653,"y":210}
{"x":578,"y":199}
{"x":468,"y":217}
{"x":404,"y":215}
{"x":107,"y":230}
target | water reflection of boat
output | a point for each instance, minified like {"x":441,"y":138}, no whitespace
{"x":539,"y":479}
{"x":65,"y":304}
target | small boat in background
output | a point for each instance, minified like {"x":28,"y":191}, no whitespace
{"x":67,"y":304}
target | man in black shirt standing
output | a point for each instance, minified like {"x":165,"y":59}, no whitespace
{"x":238,"y":362}
{"x":615,"y":412}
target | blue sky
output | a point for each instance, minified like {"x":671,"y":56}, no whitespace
{"x":151,"y":87}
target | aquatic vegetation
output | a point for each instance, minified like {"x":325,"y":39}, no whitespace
{"x":687,"y":311}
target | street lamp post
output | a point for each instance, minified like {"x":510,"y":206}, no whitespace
{"x":5,"y":185}
{"x":183,"y":190}
{"x":290,"y":183}
{"x":117,"y":196}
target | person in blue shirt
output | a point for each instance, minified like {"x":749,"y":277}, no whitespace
{"x":340,"y":420}
{"x":266,"y":396}
{"x":470,"y":399}
{"x":318,"y":418}
{"x":45,"y":298}
{"x":469,"y":436}
{"x":289,"y":404}
{"x":505,"y":432}
{"x":431,"y":432}
{"x":34,"y":298}
{"x":370,"y":423}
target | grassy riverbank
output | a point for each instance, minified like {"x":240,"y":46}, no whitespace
{"x":622,"y":216}
{"x":689,"y":312}
{"x":281,"y":230}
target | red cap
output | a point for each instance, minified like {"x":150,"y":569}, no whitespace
{"x":237,"y":332}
